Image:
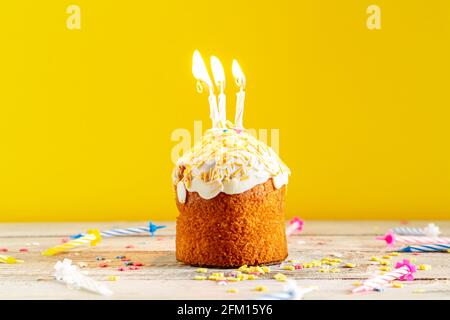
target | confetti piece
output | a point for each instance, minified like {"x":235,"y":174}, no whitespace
{"x":24,"y":250}
{"x":103,"y":265}
{"x":261,"y":288}
{"x":290,"y":268}
{"x":373,"y":258}
{"x":357,"y":284}
{"x":419,"y":290}
{"x":121,"y":269}
{"x":138,"y":264}
{"x":129,"y":263}
{"x":424,"y":267}
{"x":64,"y":240}
{"x":350,"y":265}
{"x":99,"y":258}
{"x":324,"y":270}
{"x":130,"y":246}
{"x":265,"y":269}
{"x":335,"y":270}
{"x":199,"y":278}
{"x":232,"y":290}
{"x":385,"y":262}
{"x":387,"y":257}
{"x":385,"y":268}
{"x":280,"y":277}
{"x":120,"y":257}
{"x":394,"y":254}
{"x":3,"y":249}
{"x":113,"y":278}
{"x":133,"y":268}
{"x":202,"y":270}
{"x":396,"y":284}
{"x":252,"y":277}
{"x":298,"y":267}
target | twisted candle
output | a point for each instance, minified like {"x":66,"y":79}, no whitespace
{"x":71,"y":275}
{"x":435,"y":247}
{"x":126,"y":231}
{"x":391,"y":238}
{"x":92,"y":237}
{"x":295,"y":224}
{"x":403,"y":271}
{"x":431,"y":230}
{"x":9,"y":259}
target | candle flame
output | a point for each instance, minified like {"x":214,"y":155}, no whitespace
{"x":238,"y":74}
{"x":199,"y":69}
{"x":218,"y":72}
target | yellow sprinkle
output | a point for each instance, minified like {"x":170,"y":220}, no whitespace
{"x":280,"y":277}
{"x":384,"y":268}
{"x":374,"y":259}
{"x":394,"y":254}
{"x":232,"y":290}
{"x":419,"y":291}
{"x":387,"y":257}
{"x":385,"y":262}
{"x":113,"y":278}
{"x":233,"y":279}
{"x":396,"y":284}
{"x":357,"y":283}
{"x":291,"y":268}
{"x":266,"y":269}
{"x":316,"y":263}
{"x":350,"y":265}
{"x":424,"y":267}
{"x":336,"y":260}
{"x":218,"y":274}
{"x":334,"y":270}
{"x":202,"y":278}
{"x":324,"y":270}
{"x":326,"y":259}
{"x":242,"y":276}
{"x":293,"y":261}
{"x":252,"y":277}
{"x":448,"y":250}
{"x":202,"y":270}
{"x":261,"y":288}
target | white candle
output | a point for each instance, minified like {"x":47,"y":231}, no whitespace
{"x":201,"y":74}
{"x":240,"y":96}
{"x":219,"y":79}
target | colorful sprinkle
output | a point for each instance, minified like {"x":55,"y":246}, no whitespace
{"x":280,"y":277}
{"x":424,"y":267}
{"x":199,"y":278}
{"x":202,"y":270}
{"x":232,"y":290}
{"x":396,"y":284}
{"x":261,"y":288}
{"x":113,"y":278}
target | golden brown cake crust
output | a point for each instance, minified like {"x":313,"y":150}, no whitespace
{"x":233,"y":230}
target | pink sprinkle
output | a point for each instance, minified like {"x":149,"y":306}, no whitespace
{"x":3,"y":249}
{"x":64,"y":240}
{"x":133,"y":268}
{"x":23,"y":250}
{"x":298,"y":266}
{"x":122,"y":269}
{"x":130,"y":246}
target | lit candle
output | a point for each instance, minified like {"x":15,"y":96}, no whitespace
{"x":239,"y":77}
{"x":219,"y":79}
{"x":201,"y":74}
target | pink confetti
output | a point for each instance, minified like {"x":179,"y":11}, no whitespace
{"x":64,"y":240}
{"x":23,"y":250}
{"x":298,"y":266}
{"x":133,"y":268}
{"x":122,"y":269}
{"x":3,"y":249}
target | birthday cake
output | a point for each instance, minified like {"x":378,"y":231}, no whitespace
{"x":230,"y":192}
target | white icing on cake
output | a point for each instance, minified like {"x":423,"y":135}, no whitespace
{"x":230,"y":161}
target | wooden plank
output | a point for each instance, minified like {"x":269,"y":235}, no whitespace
{"x":164,"y":278}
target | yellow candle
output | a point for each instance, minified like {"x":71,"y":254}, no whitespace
{"x":92,"y":237}
{"x":9,"y":259}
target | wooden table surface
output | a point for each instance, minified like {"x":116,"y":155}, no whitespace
{"x":162,"y":277}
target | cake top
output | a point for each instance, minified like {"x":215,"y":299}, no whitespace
{"x":227,"y":160}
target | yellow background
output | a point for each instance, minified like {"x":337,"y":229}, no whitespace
{"x":87,"y":115}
